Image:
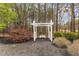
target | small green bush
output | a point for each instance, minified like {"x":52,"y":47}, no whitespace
{"x":71,"y":36}
{"x":58,"y":34}
{"x":78,"y":35}
{"x":2,"y":26}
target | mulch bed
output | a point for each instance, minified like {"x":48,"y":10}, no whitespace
{"x":17,"y":35}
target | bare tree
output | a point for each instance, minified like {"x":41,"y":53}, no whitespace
{"x":78,"y":18}
{"x":45,"y":11}
{"x":38,"y":11}
{"x":72,"y":18}
{"x":57,"y":18}
{"x":22,"y":13}
{"x":52,"y":16}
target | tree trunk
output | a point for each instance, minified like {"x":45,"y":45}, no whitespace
{"x":72,"y":18}
{"x":38,"y":12}
{"x":52,"y":17}
{"x":57,"y":19}
{"x":45,"y":11}
{"x":78,"y":23}
{"x":78,"y":19}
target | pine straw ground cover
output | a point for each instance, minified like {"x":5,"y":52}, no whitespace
{"x":61,"y":42}
{"x":74,"y":48}
{"x":71,"y":48}
{"x":70,"y":42}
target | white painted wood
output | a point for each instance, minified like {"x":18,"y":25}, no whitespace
{"x":48,"y":32}
{"x":51,"y":30}
{"x":48,"y":25}
{"x":34,"y":33}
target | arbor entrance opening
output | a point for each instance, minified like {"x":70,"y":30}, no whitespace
{"x":47,"y":25}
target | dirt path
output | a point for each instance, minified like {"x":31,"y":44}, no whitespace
{"x":38,"y":48}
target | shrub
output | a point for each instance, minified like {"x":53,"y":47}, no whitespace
{"x":58,"y":34}
{"x":78,"y":35}
{"x":70,"y":36}
{"x":61,"y":42}
{"x":2,"y":26}
{"x":17,"y":35}
{"x":74,"y":48}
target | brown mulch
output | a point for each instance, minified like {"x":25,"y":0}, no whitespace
{"x":17,"y":35}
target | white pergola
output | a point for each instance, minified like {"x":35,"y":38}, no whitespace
{"x":48,"y":25}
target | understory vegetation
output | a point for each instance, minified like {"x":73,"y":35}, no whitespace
{"x":69,"y":35}
{"x":69,"y":40}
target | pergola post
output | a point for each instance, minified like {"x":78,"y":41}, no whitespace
{"x":51,"y":30}
{"x":48,"y":32}
{"x":34,"y":30}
